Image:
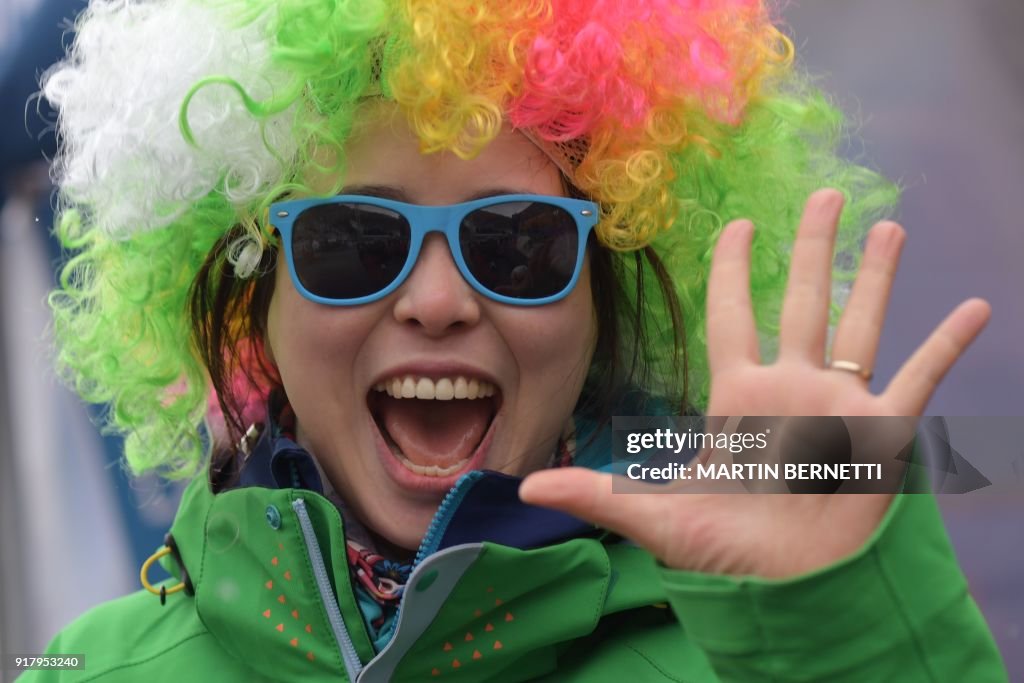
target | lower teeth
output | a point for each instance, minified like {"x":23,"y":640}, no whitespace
{"x":431,"y":470}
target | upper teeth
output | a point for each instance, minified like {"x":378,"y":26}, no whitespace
{"x":444,"y":389}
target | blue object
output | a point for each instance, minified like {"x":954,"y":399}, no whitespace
{"x":374,"y":226}
{"x":273,"y":517}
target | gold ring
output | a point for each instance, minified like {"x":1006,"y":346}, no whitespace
{"x":855,"y":368}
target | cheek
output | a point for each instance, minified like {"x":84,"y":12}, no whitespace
{"x":558,"y":341}
{"x":307,"y":340}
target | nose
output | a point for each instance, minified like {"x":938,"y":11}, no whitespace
{"x":435,"y":296}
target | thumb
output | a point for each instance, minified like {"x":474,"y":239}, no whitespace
{"x":589,"y":495}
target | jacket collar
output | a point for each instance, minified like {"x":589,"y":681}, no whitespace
{"x":483,"y":506}
{"x":258,"y":594}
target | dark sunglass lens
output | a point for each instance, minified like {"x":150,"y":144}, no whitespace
{"x":523,"y":250}
{"x":347,"y":251}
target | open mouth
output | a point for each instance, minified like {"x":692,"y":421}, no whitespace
{"x":434,"y":426}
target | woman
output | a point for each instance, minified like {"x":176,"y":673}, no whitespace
{"x":447,"y":242}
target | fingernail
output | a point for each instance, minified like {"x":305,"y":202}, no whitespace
{"x":830,"y":196}
{"x":893,"y":239}
{"x":743,"y":229}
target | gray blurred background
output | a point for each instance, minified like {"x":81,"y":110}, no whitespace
{"x":938,"y":89}
{"x":938,"y":86}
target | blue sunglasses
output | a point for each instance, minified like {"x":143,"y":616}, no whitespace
{"x":520,"y":249}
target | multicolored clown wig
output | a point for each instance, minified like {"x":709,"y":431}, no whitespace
{"x":181,"y":120}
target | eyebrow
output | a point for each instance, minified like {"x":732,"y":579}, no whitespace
{"x":398,"y":193}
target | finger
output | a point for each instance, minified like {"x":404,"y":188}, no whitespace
{"x":912,"y":387}
{"x":860,"y":326}
{"x":809,"y":291}
{"x":732,"y":335}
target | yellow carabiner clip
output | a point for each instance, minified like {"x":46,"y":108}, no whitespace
{"x":163,"y":591}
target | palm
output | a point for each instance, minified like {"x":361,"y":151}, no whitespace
{"x":787,"y":390}
{"x":778,"y":535}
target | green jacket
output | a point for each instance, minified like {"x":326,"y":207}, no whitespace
{"x":503,"y":591}
{"x":272,"y":601}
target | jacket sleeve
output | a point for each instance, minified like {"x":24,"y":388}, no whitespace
{"x":897,"y":610}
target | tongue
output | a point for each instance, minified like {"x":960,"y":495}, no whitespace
{"x":439,"y":433}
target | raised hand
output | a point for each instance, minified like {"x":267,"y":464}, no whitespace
{"x":779,"y":535}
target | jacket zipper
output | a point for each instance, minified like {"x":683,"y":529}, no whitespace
{"x":438,"y":525}
{"x":348,"y":651}
{"x":443,"y":516}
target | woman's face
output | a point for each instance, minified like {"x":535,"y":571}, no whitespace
{"x":393,"y":459}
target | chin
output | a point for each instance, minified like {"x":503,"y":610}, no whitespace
{"x":402,"y":524}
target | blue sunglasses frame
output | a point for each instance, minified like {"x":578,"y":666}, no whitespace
{"x":424,"y":220}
